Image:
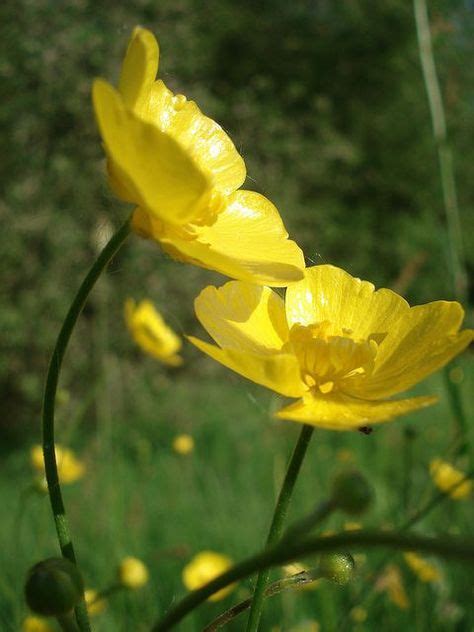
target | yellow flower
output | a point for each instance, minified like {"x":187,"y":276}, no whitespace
{"x":426,"y":571}
{"x":132,"y":573}
{"x":206,"y":566}
{"x":94,"y":606}
{"x":391,"y":582}
{"x":337,"y":344}
{"x":151,"y":333}
{"x":36,"y":624}
{"x":445,"y":477}
{"x":307,"y":626}
{"x":358,"y":614}
{"x":70,"y":469}
{"x":183,"y":444}
{"x":183,"y":172}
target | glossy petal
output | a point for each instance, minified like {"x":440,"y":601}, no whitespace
{"x":139,"y":69}
{"x":152,"y":166}
{"x":203,"y":138}
{"x":243,"y":316}
{"x":329,"y":293}
{"x":279,"y":371}
{"x":339,"y":412}
{"x":419,"y":343}
{"x":248,"y":242}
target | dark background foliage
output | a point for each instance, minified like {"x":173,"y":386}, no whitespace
{"x":324,"y":99}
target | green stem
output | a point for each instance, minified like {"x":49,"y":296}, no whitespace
{"x":51,"y":469}
{"x":295,"y":581}
{"x":67,"y":623}
{"x":279,"y":515}
{"x":445,"y":158}
{"x":276,"y":555}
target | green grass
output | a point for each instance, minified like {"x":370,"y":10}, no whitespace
{"x":140,"y":498}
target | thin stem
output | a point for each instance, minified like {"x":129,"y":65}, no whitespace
{"x":445,"y":158}
{"x":51,"y":469}
{"x":67,"y":623}
{"x":279,"y":515}
{"x":455,"y":548}
{"x":295,"y":581}
{"x":301,"y":528}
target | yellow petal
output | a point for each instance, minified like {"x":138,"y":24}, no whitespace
{"x":139,"y":69}
{"x":279,"y":372}
{"x":339,"y":412}
{"x":248,"y":242}
{"x":422,"y":341}
{"x":243,"y":316}
{"x":203,"y":138}
{"x":152,"y":166}
{"x":329,"y":293}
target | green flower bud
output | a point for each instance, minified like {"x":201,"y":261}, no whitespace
{"x":337,"y":567}
{"x":53,"y":587}
{"x":351,"y":492}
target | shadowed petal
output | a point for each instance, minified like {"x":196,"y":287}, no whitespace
{"x":248,"y":242}
{"x":152,"y":166}
{"x":243,"y":316}
{"x":339,"y":412}
{"x":279,"y":372}
{"x":139,"y":69}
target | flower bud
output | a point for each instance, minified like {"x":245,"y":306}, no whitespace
{"x":337,"y":567}
{"x":351,"y":492}
{"x":53,"y":587}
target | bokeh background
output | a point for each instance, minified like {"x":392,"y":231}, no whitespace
{"x":325,"y":100}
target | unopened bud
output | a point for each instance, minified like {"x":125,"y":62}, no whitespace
{"x":337,"y":567}
{"x":53,"y":587}
{"x":351,"y":492}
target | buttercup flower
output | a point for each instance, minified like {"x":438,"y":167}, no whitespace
{"x":183,"y":173}
{"x":391,"y":582}
{"x":183,"y":444}
{"x":445,"y":477}
{"x":151,"y":333}
{"x":132,"y":573}
{"x":36,"y":624}
{"x":70,"y":469}
{"x":94,"y":606}
{"x":426,"y":571}
{"x":338,"y":345}
{"x":206,"y":566}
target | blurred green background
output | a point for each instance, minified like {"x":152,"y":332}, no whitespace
{"x":326,"y":103}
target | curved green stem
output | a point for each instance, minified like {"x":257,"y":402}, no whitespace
{"x":51,"y":469}
{"x":279,"y":515}
{"x":456,"y":548}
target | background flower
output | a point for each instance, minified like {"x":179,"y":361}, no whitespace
{"x":151,"y":333}
{"x":206,"y":566}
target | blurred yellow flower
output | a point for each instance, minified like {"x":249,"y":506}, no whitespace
{"x":70,"y":469}
{"x":132,"y":573}
{"x":358,"y":614}
{"x":94,"y":606}
{"x":352,"y":526}
{"x":151,"y":333}
{"x":445,"y":477}
{"x":337,"y":344}
{"x":183,"y":173}
{"x":426,"y":571}
{"x":36,"y":624}
{"x":183,"y":444}
{"x":306,"y":626}
{"x":206,"y":566}
{"x":391,"y":582}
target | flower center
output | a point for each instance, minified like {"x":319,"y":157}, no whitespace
{"x":329,"y":356}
